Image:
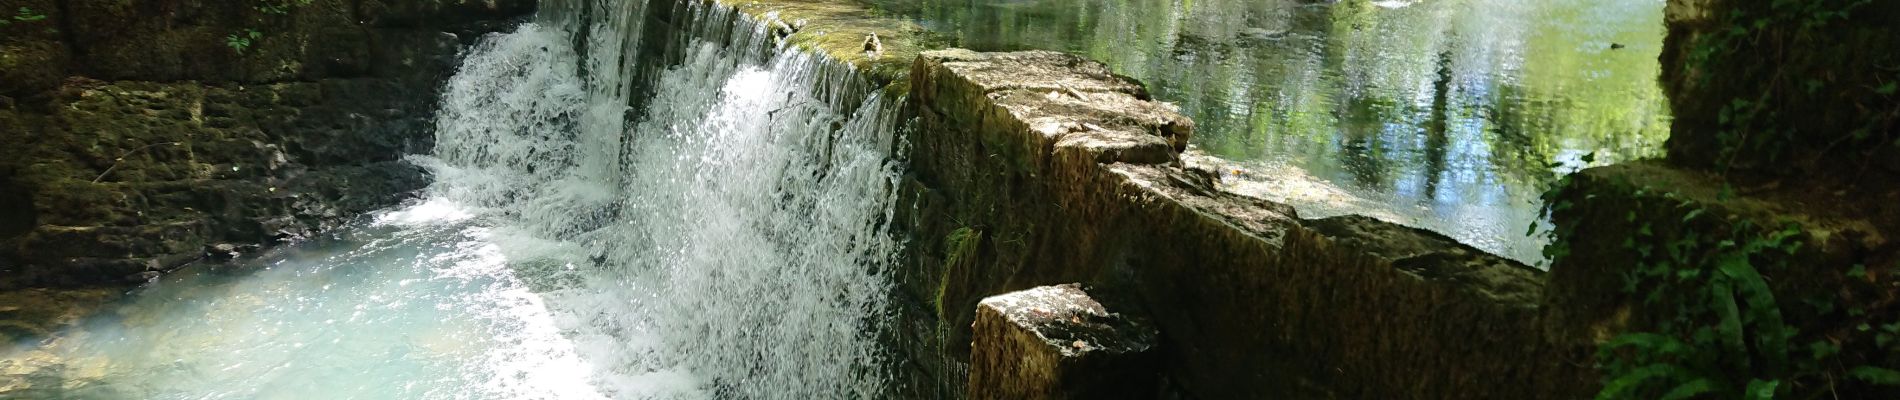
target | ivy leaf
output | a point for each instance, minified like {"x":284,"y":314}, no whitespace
{"x":1690,"y":390}
{"x":1823,"y":349}
{"x":1692,"y":214}
{"x":1762,"y":390}
{"x":1888,"y":88}
{"x":1730,"y":316}
{"x":1625,"y":385}
{"x":1876,"y":375}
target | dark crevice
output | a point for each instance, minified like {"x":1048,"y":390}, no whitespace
{"x":68,"y":35}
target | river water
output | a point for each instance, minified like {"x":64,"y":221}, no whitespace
{"x":1449,"y":115}
{"x":728,"y":240}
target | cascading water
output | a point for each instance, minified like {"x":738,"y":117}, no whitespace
{"x":726,"y":240}
{"x":733,"y":248}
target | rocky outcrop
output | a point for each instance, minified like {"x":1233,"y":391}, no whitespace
{"x":1771,"y":215}
{"x":1056,"y":342}
{"x":145,"y":131}
{"x":1632,"y":239}
{"x":1035,"y":168}
{"x":1808,"y":89}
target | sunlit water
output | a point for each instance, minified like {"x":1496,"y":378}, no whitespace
{"x":420,"y":304}
{"x":1451,"y":115}
{"x":728,"y":241}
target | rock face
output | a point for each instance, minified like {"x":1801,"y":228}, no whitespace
{"x":1055,"y":342}
{"x":1039,"y":168}
{"x":1825,"y":255}
{"x":1779,"y":186}
{"x":1791,"y":89}
{"x":139,"y":132}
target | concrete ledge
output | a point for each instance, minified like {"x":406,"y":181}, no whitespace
{"x":1064,"y":172}
{"x":1055,"y":342}
{"x":838,"y":29}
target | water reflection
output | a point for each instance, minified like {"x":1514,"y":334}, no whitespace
{"x":1447,"y":115}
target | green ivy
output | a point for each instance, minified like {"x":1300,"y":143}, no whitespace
{"x":243,"y":40}
{"x":1713,"y":326}
{"x":1752,"y":123}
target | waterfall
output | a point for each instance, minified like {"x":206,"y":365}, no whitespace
{"x":728,"y":240}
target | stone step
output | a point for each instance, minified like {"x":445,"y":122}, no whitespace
{"x":1056,"y":342}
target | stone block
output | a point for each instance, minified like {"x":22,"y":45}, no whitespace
{"x":1056,"y":342}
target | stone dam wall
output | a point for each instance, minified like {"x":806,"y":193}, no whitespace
{"x":1026,"y":170}
{"x":1037,"y":168}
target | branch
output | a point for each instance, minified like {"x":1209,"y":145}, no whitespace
{"x":121,"y":159}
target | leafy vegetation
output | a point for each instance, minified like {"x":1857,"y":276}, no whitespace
{"x":25,"y":14}
{"x":960,"y":249}
{"x":242,"y":40}
{"x":1712,"y":325}
{"x":28,"y":15}
{"x":1811,"y":67}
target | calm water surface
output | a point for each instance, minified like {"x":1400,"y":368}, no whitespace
{"x":1450,"y":115}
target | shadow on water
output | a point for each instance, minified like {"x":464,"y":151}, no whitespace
{"x":1450,"y":115}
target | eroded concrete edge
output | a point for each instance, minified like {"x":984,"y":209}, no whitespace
{"x":1066,"y":172}
{"x":842,"y":30}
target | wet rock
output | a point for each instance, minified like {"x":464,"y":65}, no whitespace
{"x":222,"y":252}
{"x":143,"y":277}
{"x":1055,"y":342}
{"x":142,"y":136}
{"x":32,"y":58}
{"x":35,"y":313}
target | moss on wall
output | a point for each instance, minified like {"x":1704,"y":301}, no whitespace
{"x":1785,"y":87}
{"x":1730,"y":288}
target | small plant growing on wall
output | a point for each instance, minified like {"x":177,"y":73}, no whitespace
{"x":25,"y":14}
{"x":242,"y":40}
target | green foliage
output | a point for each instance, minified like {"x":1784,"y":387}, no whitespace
{"x":960,"y":248}
{"x":1713,"y":325}
{"x":25,"y":14}
{"x":280,"y":7}
{"x":1756,"y":46}
{"x":1726,"y":337}
{"x":242,"y":40}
